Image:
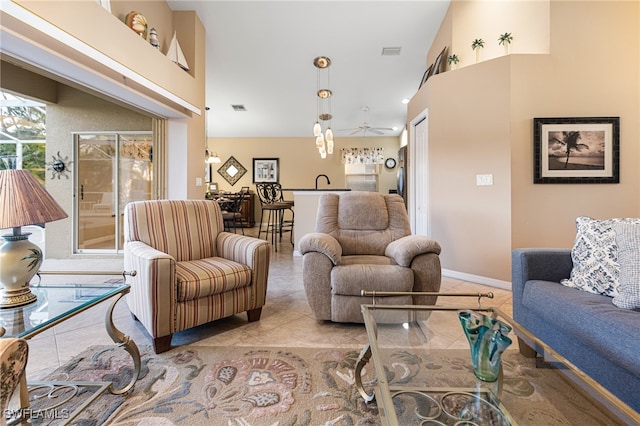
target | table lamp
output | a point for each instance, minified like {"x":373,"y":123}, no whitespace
{"x":23,"y":201}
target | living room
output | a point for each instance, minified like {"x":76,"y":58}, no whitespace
{"x":481,"y":224}
{"x":590,"y":69}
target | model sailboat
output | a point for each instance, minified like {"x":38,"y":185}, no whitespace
{"x":175,"y":53}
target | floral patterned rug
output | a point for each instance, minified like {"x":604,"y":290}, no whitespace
{"x":246,"y":386}
{"x":240,"y":386}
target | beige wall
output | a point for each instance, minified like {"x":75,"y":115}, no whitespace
{"x":481,"y":122}
{"x":299,"y":160}
{"x":108,"y":34}
{"x":77,"y":111}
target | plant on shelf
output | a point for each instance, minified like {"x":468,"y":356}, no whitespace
{"x":477,"y":46}
{"x":505,"y":40}
{"x":453,"y":60}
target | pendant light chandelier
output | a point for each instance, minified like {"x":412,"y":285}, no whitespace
{"x":324,"y":141}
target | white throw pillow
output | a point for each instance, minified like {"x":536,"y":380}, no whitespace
{"x":628,"y":242}
{"x":595,"y":255}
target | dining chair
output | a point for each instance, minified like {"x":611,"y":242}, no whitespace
{"x":232,"y":214}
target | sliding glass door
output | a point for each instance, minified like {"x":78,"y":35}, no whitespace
{"x":112,"y":169}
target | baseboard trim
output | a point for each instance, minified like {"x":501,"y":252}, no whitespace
{"x":505,"y":285}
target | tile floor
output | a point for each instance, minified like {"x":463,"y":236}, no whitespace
{"x":286,"y":318}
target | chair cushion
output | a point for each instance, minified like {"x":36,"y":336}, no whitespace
{"x":201,"y":278}
{"x":362,"y":222}
{"x":350,"y":280}
{"x":358,"y":259}
{"x":184,"y":229}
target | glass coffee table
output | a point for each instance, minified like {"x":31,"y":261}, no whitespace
{"x":55,"y":304}
{"x":422,"y":375}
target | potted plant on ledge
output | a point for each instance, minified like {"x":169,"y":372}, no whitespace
{"x":453,"y":60}
{"x":505,"y":40}
{"x":477,"y":46}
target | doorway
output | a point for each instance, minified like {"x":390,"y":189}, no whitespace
{"x":112,"y":169}
{"x":419,"y":174}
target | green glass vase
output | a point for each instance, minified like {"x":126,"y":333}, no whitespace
{"x":488,"y":340}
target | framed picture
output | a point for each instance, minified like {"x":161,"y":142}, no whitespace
{"x":440,"y":64}
{"x":207,"y":172}
{"x":576,"y":150}
{"x":231,"y":170}
{"x":266,"y":170}
{"x":425,"y":76}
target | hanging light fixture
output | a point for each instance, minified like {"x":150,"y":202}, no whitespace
{"x":209,"y":157}
{"x":324,"y":141}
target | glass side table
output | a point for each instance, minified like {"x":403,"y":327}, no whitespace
{"x":55,"y":304}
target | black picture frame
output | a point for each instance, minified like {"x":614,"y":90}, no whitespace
{"x":576,"y":150}
{"x":266,"y":170}
{"x":425,"y":76}
{"x":440,"y":64}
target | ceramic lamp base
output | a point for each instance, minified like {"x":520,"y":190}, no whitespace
{"x":20,"y":260}
{"x":12,"y":299}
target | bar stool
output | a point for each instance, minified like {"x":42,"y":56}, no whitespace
{"x":272,"y":202}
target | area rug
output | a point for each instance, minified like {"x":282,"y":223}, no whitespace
{"x":245,"y":386}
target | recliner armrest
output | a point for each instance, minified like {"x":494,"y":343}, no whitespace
{"x":243,"y":249}
{"x":321,"y":243}
{"x":405,"y":249}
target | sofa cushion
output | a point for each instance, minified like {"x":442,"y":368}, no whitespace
{"x":628,"y":241}
{"x":352,"y":279}
{"x":591,"y":318}
{"x":595,"y":255}
{"x":205,"y":277}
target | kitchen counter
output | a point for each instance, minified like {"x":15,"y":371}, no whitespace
{"x":306,"y":208}
{"x":319,"y":189}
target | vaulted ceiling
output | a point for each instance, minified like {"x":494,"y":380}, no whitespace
{"x":260,"y":55}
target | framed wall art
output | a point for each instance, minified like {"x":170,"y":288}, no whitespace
{"x":266,"y":170}
{"x":576,"y":150}
{"x":231,"y":170}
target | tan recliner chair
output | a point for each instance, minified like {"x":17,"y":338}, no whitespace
{"x":363,"y":241}
{"x":188,"y":270}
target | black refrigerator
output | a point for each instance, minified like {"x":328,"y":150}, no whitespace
{"x":402,"y":173}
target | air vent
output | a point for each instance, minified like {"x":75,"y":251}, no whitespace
{"x":391,"y":51}
{"x":238,"y":107}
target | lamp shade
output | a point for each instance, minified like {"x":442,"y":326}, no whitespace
{"x":24,"y":201}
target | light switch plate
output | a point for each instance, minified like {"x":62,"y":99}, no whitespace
{"x":484,"y":180}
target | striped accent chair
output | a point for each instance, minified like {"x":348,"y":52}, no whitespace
{"x":189,"y":271}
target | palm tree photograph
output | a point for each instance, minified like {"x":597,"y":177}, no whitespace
{"x":576,"y":150}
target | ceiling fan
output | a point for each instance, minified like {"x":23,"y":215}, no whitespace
{"x":366,"y":127}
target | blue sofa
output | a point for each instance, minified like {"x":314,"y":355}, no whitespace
{"x":587,"y":329}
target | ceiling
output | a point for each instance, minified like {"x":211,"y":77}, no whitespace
{"x":260,"y":55}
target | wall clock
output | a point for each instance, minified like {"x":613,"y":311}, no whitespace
{"x":390,"y":163}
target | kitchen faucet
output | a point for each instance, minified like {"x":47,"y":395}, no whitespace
{"x":326,"y":177}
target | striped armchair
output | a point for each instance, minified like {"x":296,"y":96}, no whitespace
{"x":189,"y":271}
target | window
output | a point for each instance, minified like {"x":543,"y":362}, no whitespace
{"x":23,"y":134}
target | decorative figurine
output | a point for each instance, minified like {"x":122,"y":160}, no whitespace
{"x":137,"y":23}
{"x":153,"y":38}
